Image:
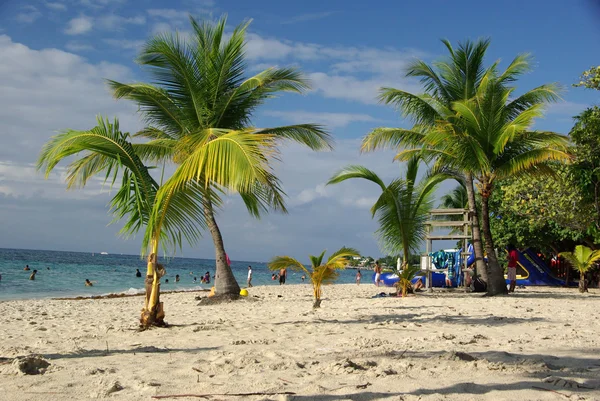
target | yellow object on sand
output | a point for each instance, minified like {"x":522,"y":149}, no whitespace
{"x":212,"y":292}
{"x":244,"y":292}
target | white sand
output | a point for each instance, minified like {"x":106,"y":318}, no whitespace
{"x":395,"y":349}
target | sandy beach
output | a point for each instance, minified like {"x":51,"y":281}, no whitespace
{"x":538,"y":344}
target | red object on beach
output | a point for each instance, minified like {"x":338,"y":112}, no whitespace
{"x":227,"y":259}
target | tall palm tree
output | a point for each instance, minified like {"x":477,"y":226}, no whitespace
{"x":444,"y":82}
{"x":321,"y":272}
{"x":402,"y":208}
{"x":501,"y":144}
{"x":198,"y":109}
{"x":106,"y":150}
{"x":442,"y":133}
{"x":582,"y":259}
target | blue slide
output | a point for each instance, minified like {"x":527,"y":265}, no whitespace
{"x":537,"y":271}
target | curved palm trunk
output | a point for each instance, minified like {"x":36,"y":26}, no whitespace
{"x":496,"y":281}
{"x":153,"y":313}
{"x":225,"y":282}
{"x":477,"y":245}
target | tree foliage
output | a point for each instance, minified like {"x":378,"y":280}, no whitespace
{"x":585,"y":168}
{"x":590,"y":78}
{"x":545,"y":212}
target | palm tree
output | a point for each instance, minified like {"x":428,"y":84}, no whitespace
{"x":444,"y":82}
{"x":105,"y":149}
{"x":405,"y":278}
{"x":479,"y":148}
{"x":198,"y":110}
{"x":500,"y":144}
{"x":402,"y":207}
{"x":582,"y":260}
{"x":320,"y":273}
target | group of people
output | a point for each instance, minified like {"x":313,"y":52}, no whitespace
{"x":281,"y":276}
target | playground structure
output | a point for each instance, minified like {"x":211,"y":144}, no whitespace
{"x":456,"y":262}
{"x":459,"y":264}
{"x":531,"y":271}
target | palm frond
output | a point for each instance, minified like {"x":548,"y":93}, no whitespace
{"x":356,"y":171}
{"x":286,"y":262}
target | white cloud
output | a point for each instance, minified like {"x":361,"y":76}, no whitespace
{"x":56,"y":6}
{"x":170,"y":14}
{"x":47,"y":90}
{"x":79,"y":25}
{"x":308,"y":17}
{"x":117,"y":22}
{"x":161,"y":27}
{"x":28,"y":14}
{"x":125,"y":43}
{"x":566,"y":108}
{"x":75,"y":46}
{"x":331,"y":120}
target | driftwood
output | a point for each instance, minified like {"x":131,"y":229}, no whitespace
{"x":222,"y":394}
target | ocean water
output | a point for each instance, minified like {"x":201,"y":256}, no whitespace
{"x":63,"y":274}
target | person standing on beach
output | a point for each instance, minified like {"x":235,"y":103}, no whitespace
{"x":513,"y":258}
{"x":282,"y":275}
{"x":358,"y":277}
{"x":32,"y":277}
{"x":377,"y":273}
{"x":249,"y":276}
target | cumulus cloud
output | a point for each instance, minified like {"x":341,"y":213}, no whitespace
{"x":28,"y":14}
{"x":308,"y":17}
{"x":125,"y":43}
{"x":118,"y":22}
{"x":79,"y":25}
{"x":56,"y":6}
{"x":48,"y":90}
{"x":331,"y":120}
{"x":76,"y":46}
{"x":566,"y":108}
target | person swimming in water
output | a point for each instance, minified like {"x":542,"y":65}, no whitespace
{"x":138,"y":273}
{"x":32,"y":277}
{"x":177,"y":278}
{"x":26,"y":268}
{"x":88,"y":283}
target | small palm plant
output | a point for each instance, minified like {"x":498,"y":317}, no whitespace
{"x":582,"y":259}
{"x":407,"y":274}
{"x":321,"y":273}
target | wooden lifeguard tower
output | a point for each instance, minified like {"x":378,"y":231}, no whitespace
{"x":434,"y":223}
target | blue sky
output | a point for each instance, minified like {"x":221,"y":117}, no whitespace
{"x":55,"y":54}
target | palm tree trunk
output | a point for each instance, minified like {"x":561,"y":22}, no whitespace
{"x":496,"y":282}
{"x":477,"y":245}
{"x":225,"y":283}
{"x":153,"y":313}
{"x":582,"y":286}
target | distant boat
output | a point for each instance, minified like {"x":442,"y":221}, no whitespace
{"x":103,"y":253}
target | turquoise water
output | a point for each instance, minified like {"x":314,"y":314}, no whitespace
{"x":112,"y":274}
